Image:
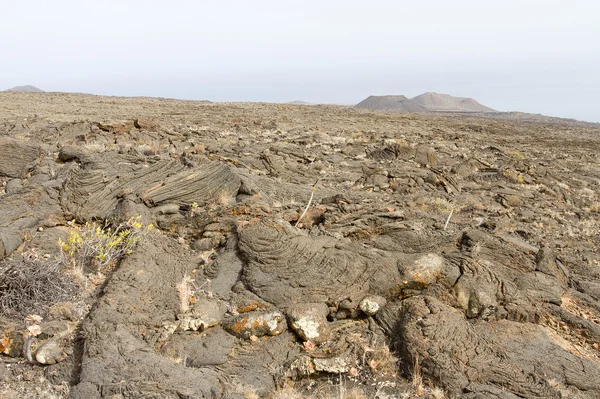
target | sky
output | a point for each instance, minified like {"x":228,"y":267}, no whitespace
{"x":539,"y":56}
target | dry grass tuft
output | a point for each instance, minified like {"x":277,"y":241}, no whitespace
{"x":417,"y":378}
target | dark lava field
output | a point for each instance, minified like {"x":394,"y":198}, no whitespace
{"x":155,"y":248}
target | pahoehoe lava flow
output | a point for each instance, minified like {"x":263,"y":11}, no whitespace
{"x":291,"y":246}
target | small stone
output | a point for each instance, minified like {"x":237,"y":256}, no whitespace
{"x":347,"y":304}
{"x":256,"y":324}
{"x":167,"y":209}
{"x":309,"y":321}
{"x":371,"y":304}
{"x":218,"y":227}
{"x":309,"y":346}
{"x":205,"y":244}
{"x":13,"y":186}
{"x":205,"y":313}
{"x":511,"y":200}
{"x":342,"y":314}
{"x":50,"y":352}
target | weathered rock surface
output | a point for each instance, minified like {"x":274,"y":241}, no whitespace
{"x":17,"y":157}
{"x":122,"y":331}
{"x":205,"y":313}
{"x":309,"y":321}
{"x":432,"y":330}
{"x":287,"y":266}
{"x":94,"y":189}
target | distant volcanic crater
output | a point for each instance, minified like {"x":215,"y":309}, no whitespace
{"x":391,"y":103}
{"x":26,"y":89}
{"x":426,"y":102}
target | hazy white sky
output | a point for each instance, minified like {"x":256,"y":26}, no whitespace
{"x":539,"y":56}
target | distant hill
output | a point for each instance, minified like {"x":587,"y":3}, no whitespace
{"x":390,"y":103}
{"x":447,"y":103}
{"x":426,"y":102}
{"x":27,"y":88}
{"x":297,"y":102}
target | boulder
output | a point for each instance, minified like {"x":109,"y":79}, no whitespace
{"x":17,"y":157}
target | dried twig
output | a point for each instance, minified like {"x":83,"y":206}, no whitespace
{"x":312,"y":194}
{"x":448,"y":220}
{"x":32,"y":286}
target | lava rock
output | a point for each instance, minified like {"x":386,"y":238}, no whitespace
{"x":13,"y":186}
{"x":372,"y":304}
{"x":256,"y":324}
{"x":205,"y":244}
{"x":205,"y":313}
{"x":50,"y":352}
{"x":422,"y":271}
{"x":309,"y":321}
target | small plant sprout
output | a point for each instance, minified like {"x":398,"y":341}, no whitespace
{"x":193,"y":208}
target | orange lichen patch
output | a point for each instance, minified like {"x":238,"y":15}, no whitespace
{"x":241,"y":210}
{"x":240,"y":326}
{"x":251,"y":307}
{"x":256,"y":324}
{"x":6,"y":345}
{"x":425,"y":275}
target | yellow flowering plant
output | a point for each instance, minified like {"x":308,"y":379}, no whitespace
{"x":99,"y":247}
